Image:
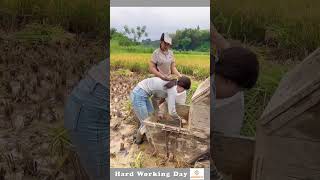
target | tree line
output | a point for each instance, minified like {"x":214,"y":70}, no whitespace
{"x":188,"y":39}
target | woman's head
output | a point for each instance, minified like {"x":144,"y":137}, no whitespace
{"x":165,"y":42}
{"x":237,"y":68}
{"x":183,"y":83}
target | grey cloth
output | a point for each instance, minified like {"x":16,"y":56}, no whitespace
{"x":229,"y":114}
{"x":100,"y":73}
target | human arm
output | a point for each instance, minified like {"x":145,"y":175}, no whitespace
{"x":174,"y":69}
{"x":171,"y":102}
{"x":153,"y":70}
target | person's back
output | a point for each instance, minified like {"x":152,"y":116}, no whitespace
{"x":152,"y":85}
{"x":155,"y":86}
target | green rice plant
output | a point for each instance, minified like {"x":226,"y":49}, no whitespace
{"x":294,"y":24}
{"x":191,"y":91}
{"x":75,"y":16}
{"x":40,"y":33}
{"x":137,"y":67}
{"x":257,"y":98}
{"x":138,"y":161}
{"x":59,"y":141}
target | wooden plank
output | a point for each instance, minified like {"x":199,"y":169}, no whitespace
{"x":305,"y":126}
{"x":293,"y":112}
{"x":233,"y":155}
{"x":165,"y":127}
{"x":298,"y":83}
{"x":202,"y":91}
{"x":278,"y":163}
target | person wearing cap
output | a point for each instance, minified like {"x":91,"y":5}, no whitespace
{"x":163,"y":65}
{"x":162,"y":62}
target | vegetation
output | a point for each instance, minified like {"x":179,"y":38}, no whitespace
{"x":187,"y":39}
{"x":137,"y":33}
{"x":290,"y":26}
{"x":77,"y":16}
{"x":256,"y":99}
{"x":191,"y":39}
{"x":128,"y":53}
{"x":282,"y":33}
{"x":194,"y":65}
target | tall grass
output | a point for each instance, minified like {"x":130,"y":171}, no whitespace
{"x":190,"y":64}
{"x":293,"y":24}
{"x":116,"y":48}
{"x":257,"y":98}
{"x":289,"y":28}
{"x":75,"y":16}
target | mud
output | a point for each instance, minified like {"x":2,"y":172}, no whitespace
{"x":124,"y":152}
{"x":35,"y":81}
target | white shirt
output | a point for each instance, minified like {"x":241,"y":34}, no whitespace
{"x":155,"y":86}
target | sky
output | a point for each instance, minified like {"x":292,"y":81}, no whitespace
{"x":160,"y":19}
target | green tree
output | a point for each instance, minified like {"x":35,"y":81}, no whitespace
{"x":113,"y":31}
{"x":191,"y":39}
{"x":137,"y":33}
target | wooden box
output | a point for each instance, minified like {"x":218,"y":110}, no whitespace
{"x":288,"y":135}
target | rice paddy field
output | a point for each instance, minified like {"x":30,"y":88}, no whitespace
{"x":190,"y":64}
{"x":136,"y":59}
{"x":76,"y":16}
{"x":291,"y":26}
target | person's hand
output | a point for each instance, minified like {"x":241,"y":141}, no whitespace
{"x":165,"y":77}
{"x":183,"y":121}
{"x":160,"y":115}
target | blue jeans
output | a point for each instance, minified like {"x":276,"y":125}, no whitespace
{"x":87,"y":121}
{"x":141,"y":105}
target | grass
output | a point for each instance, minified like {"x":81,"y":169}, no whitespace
{"x":258,"y":97}
{"x":138,"y":161}
{"x":289,"y":29}
{"x":59,"y":141}
{"x":189,"y":64}
{"x":293,"y":25}
{"x":75,"y":16}
{"x":191,"y":91}
{"x":116,"y":48}
{"x":136,"y":59}
{"x":42,"y":34}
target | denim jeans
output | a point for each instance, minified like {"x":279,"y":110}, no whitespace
{"x":87,"y":121}
{"x":141,"y":105}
